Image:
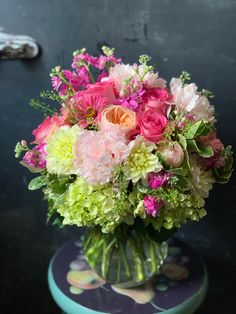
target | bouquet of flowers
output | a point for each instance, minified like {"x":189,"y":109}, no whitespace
{"x":127,"y":156}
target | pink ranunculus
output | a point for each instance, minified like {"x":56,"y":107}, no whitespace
{"x":172,"y":153}
{"x":152,"y":205}
{"x":152,"y":125}
{"x":104,"y":89}
{"x":47,"y":128}
{"x":211,"y":140}
{"x":36,"y":158}
{"x":157,"y":99}
{"x":157,"y":180}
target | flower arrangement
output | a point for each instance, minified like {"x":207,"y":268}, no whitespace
{"x":125,"y":147}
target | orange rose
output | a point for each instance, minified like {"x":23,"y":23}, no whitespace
{"x":118,"y":117}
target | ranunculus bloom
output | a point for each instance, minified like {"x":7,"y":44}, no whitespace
{"x":47,"y":128}
{"x":152,"y":205}
{"x":172,"y":153}
{"x":152,"y":125}
{"x":118,"y":117}
{"x":102,"y":89}
{"x":157,"y":180}
{"x":157,"y":99}
{"x":211,"y":140}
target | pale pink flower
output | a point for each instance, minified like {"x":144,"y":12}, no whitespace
{"x":97,"y":153}
{"x":187,"y":98}
{"x":56,"y":82}
{"x":152,"y":205}
{"x":172,"y":153}
{"x":150,"y":79}
{"x":211,"y":140}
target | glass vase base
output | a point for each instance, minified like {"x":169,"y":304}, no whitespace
{"x":179,"y":287}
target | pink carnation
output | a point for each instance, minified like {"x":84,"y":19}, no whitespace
{"x":152,"y":205}
{"x":47,"y":128}
{"x":157,"y":180}
{"x":36,"y":158}
{"x":97,"y":153}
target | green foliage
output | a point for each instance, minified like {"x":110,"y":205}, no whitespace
{"x":108,"y":51}
{"x":182,"y":141}
{"x":223,"y":174}
{"x":37,"y":183}
{"x":208,"y":94}
{"x":200,"y":128}
{"x":49,"y":94}
{"x":162,"y":235}
{"x":45,"y":108}
{"x":202,"y":150}
{"x":185,"y":76}
{"x":20,"y":148}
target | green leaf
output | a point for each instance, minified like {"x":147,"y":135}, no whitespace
{"x":200,"y":128}
{"x":182,"y":141}
{"x":37,"y":183}
{"x":205,"y":151}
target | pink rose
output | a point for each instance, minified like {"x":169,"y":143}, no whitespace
{"x":102,"y":89}
{"x":47,"y":128}
{"x":172,"y":153}
{"x":152,"y":205}
{"x":152,"y":125}
{"x":157,"y":99}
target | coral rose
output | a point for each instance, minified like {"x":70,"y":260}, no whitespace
{"x":102,"y":89}
{"x":152,"y":125}
{"x":119,"y":118}
{"x":47,"y":128}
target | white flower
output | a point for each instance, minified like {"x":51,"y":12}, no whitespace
{"x":120,"y":74}
{"x":187,"y":98}
{"x":151,"y":79}
{"x":202,"y":180}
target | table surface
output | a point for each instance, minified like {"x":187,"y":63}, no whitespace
{"x":181,"y":279}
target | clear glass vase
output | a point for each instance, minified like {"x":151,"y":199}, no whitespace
{"x":125,"y":258}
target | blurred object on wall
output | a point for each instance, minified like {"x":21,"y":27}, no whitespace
{"x":17,"y":46}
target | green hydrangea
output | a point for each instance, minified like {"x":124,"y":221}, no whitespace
{"x":87,"y":205}
{"x":141,"y":160}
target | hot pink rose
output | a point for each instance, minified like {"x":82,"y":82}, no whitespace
{"x":47,"y":128}
{"x":152,"y":125}
{"x":157,"y":99}
{"x":102,"y":89}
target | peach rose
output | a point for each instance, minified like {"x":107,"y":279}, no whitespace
{"x":152,"y":125}
{"x":172,"y":153}
{"x":119,"y":118}
{"x":102,"y":89}
{"x":47,"y":128}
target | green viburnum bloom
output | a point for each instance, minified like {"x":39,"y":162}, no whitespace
{"x":60,"y":157}
{"x":88,"y":205}
{"x":141,"y":160}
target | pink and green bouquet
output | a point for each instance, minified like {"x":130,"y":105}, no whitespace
{"x":124,"y":153}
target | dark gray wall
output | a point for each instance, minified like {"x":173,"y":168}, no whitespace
{"x":195,"y":35}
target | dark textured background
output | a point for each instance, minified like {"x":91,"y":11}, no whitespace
{"x":195,"y":35}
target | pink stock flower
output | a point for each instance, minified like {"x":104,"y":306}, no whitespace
{"x":78,"y":80}
{"x":56,"y":83}
{"x":97,"y":62}
{"x":133,"y":101}
{"x":157,"y":99}
{"x":102,"y":89}
{"x":172,"y":153}
{"x":152,"y":205}
{"x":36,"y":158}
{"x":157,"y":180}
{"x":102,"y":76}
{"x":47,"y":128}
{"x":152,"y":125}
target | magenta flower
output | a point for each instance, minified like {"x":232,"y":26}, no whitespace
{"x":157,"y":180}
{"x":36,"y":158}
{"x":152,"y":205}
